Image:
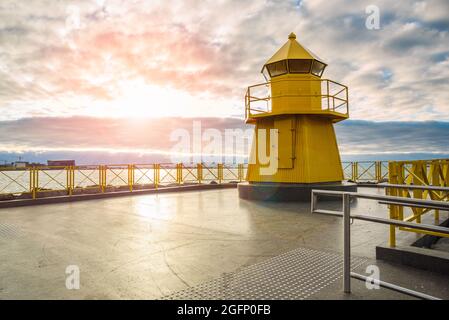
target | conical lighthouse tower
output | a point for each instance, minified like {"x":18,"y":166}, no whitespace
{"x":294,"y":147}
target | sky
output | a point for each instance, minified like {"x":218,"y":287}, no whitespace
{"x":104,"y":81}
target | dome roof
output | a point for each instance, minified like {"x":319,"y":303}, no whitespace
{"x":292,"y":50}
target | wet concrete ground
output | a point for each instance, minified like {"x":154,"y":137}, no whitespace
{"x":149,"y":246}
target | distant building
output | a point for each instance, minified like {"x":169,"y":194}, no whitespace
{"x":60,"y":163}
{"x":20,"y":164}
{"x":36,"y":164}
{"x":6,"y":164}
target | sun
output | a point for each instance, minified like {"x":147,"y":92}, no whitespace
{"x":138,"y":99}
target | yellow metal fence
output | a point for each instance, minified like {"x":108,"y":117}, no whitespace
{"x":366,"y":171}
{"x":68,"y":180}
{"x":102,"y":178}
{"x":419,"y":173}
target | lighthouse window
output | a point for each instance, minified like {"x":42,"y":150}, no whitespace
{"x":318,"y":68}
{"x":277,"y":68}
{"x":299,"y":66}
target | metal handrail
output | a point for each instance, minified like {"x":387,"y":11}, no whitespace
{"x":341,"y":95}
{"x":413,"y":187}
{"x":443,"y":205}
{"x":347,"y":217}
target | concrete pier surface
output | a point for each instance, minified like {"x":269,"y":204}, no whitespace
{"x":153,"y":246}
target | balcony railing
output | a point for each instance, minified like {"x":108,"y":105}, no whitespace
{"x":333,"y":96}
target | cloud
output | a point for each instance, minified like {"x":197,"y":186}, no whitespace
{"x":368,"y":137}
{"x":70,"y":58}
{"x":82,"y":133}
{"x":110,"y":139}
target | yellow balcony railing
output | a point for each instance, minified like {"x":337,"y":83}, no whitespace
{"x":333,"y":98}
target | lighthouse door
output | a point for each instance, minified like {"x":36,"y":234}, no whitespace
{"x":285,"y":143}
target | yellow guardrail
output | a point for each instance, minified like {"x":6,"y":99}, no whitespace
{"x":333,"y":97}
{"x":366,"y":171}
{"x":69,"y":180}
{"x":101,"y":178}
{"x":428,"y":179}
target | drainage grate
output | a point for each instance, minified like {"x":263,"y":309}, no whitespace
{"x":9,"y":231}
{"x":297,"y":274}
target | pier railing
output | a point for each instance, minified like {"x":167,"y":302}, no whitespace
{"x":41,"y":181}
{"x":38,"y":181}
{"x":366,"y":171}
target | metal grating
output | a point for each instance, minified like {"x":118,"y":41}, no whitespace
{"x":295,"y":275}
{"x":9,"y":231}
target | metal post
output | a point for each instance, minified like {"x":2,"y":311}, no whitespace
{"x":33,"y":185}
{"x":156,"y":175}
{"x":199,"y":169}
{"x":133,"y":175}
{"x":220,"y":172}
{"x":179,"y":173}
{"x":69,"y":183}
{"x":103,"y":172}
{"x":354,"y":171}
{"x":313,"y":202}
{"x":103,"y":185}
{"x":72,"y":179}
{"x":393,"y":209}
{"x":346,"y":243}
{"x":376,"y":175}
{"x":347,"y":102}
{"x":100,"y":177}
{"x":31,"y":180}
{"x":68,"y":178}
{"x":130,"y":177}
{"x":36,"y":182}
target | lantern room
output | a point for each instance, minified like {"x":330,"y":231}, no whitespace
{"x":295,"y":86}
{"x":292,"y":58}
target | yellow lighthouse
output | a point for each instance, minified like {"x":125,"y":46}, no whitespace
{"x":294,"y":147}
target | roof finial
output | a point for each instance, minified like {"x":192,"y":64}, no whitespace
{"x":292,"y":36}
